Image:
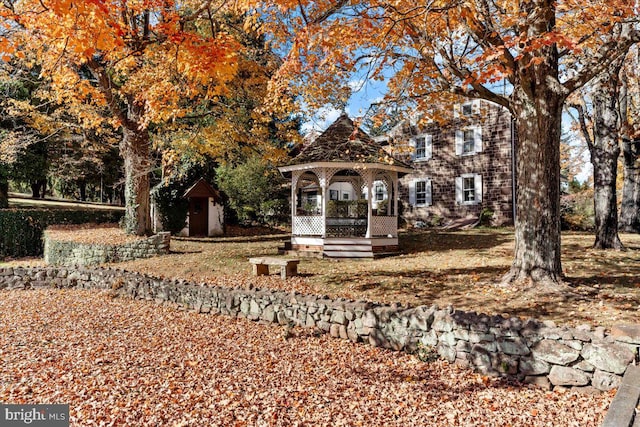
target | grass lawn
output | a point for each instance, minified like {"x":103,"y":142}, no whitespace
{"x":19,"y":200}
{"x":459,"y":268}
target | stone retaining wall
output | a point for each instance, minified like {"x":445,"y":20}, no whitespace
{"x":68,"y":253}
{"x":533,"y":351}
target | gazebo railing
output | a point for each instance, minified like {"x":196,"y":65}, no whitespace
{"x":308,"y":225}
{"x":346,"y":227}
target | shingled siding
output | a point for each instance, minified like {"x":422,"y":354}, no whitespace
{"x":494,"y":164}
{"x":536,"y":352}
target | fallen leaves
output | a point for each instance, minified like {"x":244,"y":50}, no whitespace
{"x":97,"y":234}
{"x":125,"y":362}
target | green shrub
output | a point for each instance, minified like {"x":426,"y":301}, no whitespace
{"x":347,"y":208}
{"x":172,"y":206}
{"x":275,"y":212}
{"x":486,"y":216}
{"x":22,"y":229}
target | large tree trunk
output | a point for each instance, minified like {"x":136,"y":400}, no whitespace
{"x":537,"y":223}
{"x":605,"y":199}
{"x":134,"y":149}
{"x":604,"y":151}
{"x":630,"y":211}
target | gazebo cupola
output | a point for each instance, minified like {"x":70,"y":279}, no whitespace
{"x":344,"y":195}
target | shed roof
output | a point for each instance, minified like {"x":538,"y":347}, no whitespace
{"x":202,"y":189}
{"x":344,"y":142}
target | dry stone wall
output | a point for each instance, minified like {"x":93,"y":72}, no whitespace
{"x":530,"y":350}
{"x":68,"y":253}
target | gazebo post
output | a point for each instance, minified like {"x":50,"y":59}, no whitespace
{"x":295,"y":176}
{"x":324,"y":185}
{"x":368,"y":176}
{"x":395,"y":197}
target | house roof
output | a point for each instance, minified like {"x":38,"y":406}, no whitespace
{"x":202,"y":189}
{"x":344,"y":142}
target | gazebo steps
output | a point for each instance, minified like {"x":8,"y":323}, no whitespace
{"x":348,"y":248}
{"x":348,"y":254}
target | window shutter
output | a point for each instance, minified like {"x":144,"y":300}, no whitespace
{"x":456,"y":110}
{"x":459,"y":197}
{"x":477,"y":139}
{"x":412,"y":146}
{"x":428,"y":199}
{"x":459,"y":142}
{"x":428,"y":146}
{"x":477,"y":182}
{"x":412,"y":192}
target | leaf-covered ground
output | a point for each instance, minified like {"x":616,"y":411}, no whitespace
{"x":124,"y":362}
{"x":459,"y":268}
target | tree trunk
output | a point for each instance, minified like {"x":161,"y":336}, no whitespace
{"x":605,"y":199}
{"x":630,"y":211}
{"x":4,"y":192}
{"x":42,"y":183}
{"x":82,"y":187}
{"x":134,"y":150}
{"x":35,"y":189}
{"x":537,"y":223}
{"x":604,"y":151}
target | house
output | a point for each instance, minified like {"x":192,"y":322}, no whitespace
{"x":462,"y":169}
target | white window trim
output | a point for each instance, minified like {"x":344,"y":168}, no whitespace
{"x":428,"y":147}
{"x":477,"y":180}
{"x":413,"y":193}
{"x":475,"y":108}
{"x":376,"y":185}
{"x":477,"y":136}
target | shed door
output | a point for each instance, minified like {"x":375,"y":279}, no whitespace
{"x":198,"y":216}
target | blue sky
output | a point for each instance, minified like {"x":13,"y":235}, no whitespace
{"x":366,"y":92}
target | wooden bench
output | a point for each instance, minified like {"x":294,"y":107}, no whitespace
{"x":288,"y":267}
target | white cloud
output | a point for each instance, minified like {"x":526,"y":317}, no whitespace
{"x":322,"y":119}
{"x":357,"y":84}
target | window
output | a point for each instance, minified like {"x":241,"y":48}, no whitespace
{"x":422,"y":147}
{"x":420,"y":192}
{"x":467,"y":109}
{"x":333,"y":194}
{"x":469,"y":189}
{"x":345,"y":196}
{"x":468,"y":141}
{"x":379,"y":192}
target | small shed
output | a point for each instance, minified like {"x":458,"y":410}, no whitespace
{"x":206,"y":213}
{"x":344,"y":195}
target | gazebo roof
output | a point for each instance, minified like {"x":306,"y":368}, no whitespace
{"x":344,"y":142}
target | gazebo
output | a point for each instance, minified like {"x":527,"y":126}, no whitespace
{"x":344,"y":195}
